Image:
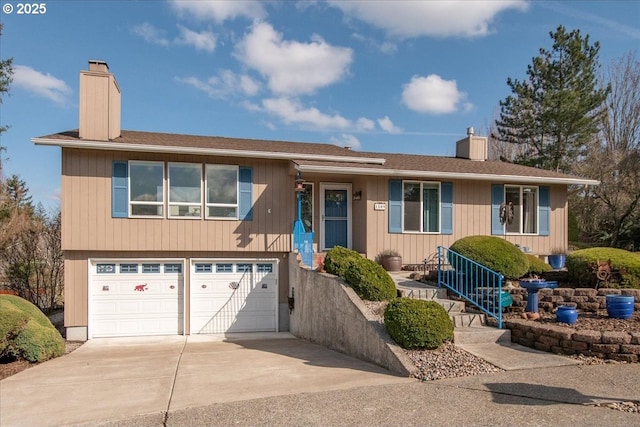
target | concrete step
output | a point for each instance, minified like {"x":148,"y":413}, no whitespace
{"x":462,"y":320}
{"x":481,"y":335}
{"x":421,"y":293}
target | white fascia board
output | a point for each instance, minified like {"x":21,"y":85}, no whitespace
{"x":118,"y":146}
{"x":446,"y":175}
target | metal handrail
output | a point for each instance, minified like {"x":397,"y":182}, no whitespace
{"x":473,"y":282}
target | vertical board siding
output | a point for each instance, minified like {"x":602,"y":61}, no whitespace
{"x":471,"y":216}
{"x":88,"y":225}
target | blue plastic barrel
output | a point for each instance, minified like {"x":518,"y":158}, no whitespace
{"x":620,"y":306}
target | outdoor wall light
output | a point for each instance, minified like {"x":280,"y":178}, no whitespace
{"x":357,"y":195}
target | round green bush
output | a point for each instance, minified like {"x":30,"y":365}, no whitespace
{"x":338,"y":259}
{"x":26,"y":333}
{"x":494,"y":253}
{"x":582,"y":265}
{"x":536,"y":265}
{"x":418,"y":324}
{"x":370,"y":281}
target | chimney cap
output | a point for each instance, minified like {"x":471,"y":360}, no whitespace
{"x":470,"y":131}
{"x":98,"y":65}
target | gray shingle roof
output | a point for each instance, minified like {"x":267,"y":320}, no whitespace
{"x":393,"y":162}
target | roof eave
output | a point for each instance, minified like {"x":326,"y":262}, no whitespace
{"x":148,"y":148}
{"x":445,"y":175}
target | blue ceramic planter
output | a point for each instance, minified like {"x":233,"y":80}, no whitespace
{"x":567,"y":314}
{"x":620,"y":306}
{"x":557,"y":261}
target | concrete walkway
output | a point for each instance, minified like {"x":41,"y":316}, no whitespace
{"x":119,"y":378}
{"x":275,"y":379}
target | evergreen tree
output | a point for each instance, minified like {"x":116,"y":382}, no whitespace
{"x":554,"y":114}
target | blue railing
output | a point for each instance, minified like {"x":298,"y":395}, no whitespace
{"x":471,"y":281}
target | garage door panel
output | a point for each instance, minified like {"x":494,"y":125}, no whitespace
{"x":135,"y":304}
{"x":244,"y":300}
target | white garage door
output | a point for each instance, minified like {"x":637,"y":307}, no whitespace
{"x":134,"y":298}
{"x":233,"y":296}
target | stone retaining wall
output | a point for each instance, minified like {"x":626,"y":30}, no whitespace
{"x":585,"y":299}
{"x":621,"y":346}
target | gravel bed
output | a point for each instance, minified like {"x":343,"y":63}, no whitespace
{"x":447,"y":361}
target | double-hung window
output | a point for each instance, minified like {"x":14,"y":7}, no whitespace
{"x":146,"y":189}
{"x":421,"y":207}
{"x":521,"y":203}
{"x":221,"y":191}
{"x":185,"y":190}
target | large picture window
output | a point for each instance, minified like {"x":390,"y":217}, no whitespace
{"x":146,"y":189}
{"x":222,"y":191}
{"x":421,"y":207}
{"x":522,"y":203}
{"x":185,"y":190}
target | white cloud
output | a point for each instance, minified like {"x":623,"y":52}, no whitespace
{"x":225,"y":84}
{"x":205,"y":40}
{"x":40,"y":83}
{"x":385,"y":47}
{"x":433,"y":95}
{"x":409,"y":19}
{"x":151,"y":34}
{"x":346,"y":140}
{"x":221,"y":11}
{"x":292,"y":112}
{"x":291,"y":67}
{"x":387,"y":125}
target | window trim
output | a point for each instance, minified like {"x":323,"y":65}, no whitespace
{"x":207,"y":205}
{"x":131,"y":163}
{"x":521,"y":207}
{"x":439,"y":209}
{"x":170,"y":204}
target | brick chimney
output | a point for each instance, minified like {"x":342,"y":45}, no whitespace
{"x":472,"y":147}
{"x":99,"y":103}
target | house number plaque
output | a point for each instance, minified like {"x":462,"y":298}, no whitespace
{"x":379,"y":206}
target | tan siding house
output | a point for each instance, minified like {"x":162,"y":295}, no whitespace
{"x":183,"y":234}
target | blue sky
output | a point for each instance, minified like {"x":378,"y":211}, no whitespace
{"x":377,"y":76}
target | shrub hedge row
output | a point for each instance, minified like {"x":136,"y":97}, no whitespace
{"x":367,"y":278}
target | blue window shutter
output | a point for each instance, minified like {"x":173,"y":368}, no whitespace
{"x":245,"y":202}
{"x":446,"y":207}
{"x":120,"y":190}
{"x":544,"y":214}
{"x":395,"y":206}
{"x":497,"y":197}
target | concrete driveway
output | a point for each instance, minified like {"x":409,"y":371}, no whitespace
{"x":110,"y":379}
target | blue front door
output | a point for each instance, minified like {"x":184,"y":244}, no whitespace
{"x":336,"y":215}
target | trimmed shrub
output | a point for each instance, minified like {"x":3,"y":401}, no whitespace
{"x":582,"y":266}
{"x":338,"y":259}
{"x":418,"y":324}
{"x":494,"y":253}
{"x":370,"y":281}
{"x":536,"y":265}
{"x":26,"y":332}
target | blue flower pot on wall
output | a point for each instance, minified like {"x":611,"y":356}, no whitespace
{"x":620,"y":306}
{"x":556,"y":261}
{"x":567,"y":314}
